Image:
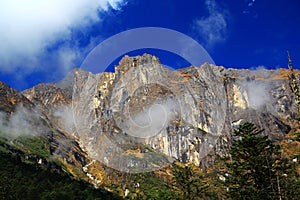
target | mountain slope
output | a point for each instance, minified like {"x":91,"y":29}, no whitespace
{"x":200,"y":107}
{"x":24,"y":128}
{"x":143,"y":117}
{"x":21,"y":180}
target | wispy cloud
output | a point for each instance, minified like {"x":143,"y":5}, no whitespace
{"x":258,"y":93}
{"x":65,"y":115}
{"x":212,"y":28}
{"x":251,"y":3}
{"x":22,"y":122}
{"x":34,"y":32}
{"x":152,"y":120}
{"x":248,"y":8}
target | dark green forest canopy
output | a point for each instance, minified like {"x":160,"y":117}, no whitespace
{"x":21,"y":180}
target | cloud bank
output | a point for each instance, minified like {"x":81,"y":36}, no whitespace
{"x":22,"y":122}
{"x":34,"y":32}
{"x":212,"y":28}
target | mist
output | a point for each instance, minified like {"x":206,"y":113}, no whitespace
{"x":65,"y":115}
{"x":23,"y":122}
{"x":258,"y":93}
{"x":152,"y":120}
{"x":258,"y":88}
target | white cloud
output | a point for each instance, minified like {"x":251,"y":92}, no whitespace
{"x":248,"y":9}
{"x":251,"y":3}
{"x":66,"y":116}
{"x":67,"y":57}
{"x":212,"y":28}
{"x":258,"y":93}
{"x":29,"y":27}
{"x":23,"y":121}
{"x":152,"y":120}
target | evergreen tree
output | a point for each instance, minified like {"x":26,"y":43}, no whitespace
{"x":256,"y":168}
{"x":189,"y":181}
{"x":294,"y":84}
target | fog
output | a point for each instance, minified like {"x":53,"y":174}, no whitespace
{"x":152,"y":120}
{"x":23,"y":122}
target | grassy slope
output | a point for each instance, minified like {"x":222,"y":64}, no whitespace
{"x":23,"y":178}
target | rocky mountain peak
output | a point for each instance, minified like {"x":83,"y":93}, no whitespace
{"x":186,"y":114}
{"x":10,"y":98}
{"x":128,"y":62}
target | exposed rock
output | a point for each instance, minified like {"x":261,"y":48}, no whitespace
{"x":30,"y":119}
{"x":9,"y":98}
{"x":192,"y":110}
{"x":143,"y":115}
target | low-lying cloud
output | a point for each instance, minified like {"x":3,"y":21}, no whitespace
{"x":257,"y":87}
{"x":65,"y":114}
{"x":258,"y":93}
{"x":23,"y":122}
{"x":152,"y":120}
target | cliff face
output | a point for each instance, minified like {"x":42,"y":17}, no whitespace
{"x":27,"y":130}
{"x":9,"y":98}
{"x":143,"y":116}
{"x":262,"y":97}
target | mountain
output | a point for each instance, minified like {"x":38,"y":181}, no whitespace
{"x":39,"y":161}
{"x":144,"y":116}
{"x":201,"y":106}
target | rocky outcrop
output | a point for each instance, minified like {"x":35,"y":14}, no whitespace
{"x":143,"y":116}
{"x":21,"y":118}
{"x":10,"y":97}
{"x":262,"y":97}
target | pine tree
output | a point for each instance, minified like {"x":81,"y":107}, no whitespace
{"x":294,"y":85}
{"x":189,"y":181}
{"x":293,"y":82}
{"x":256,"y":168}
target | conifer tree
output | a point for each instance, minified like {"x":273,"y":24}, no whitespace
{"x":190,"y":182}
{"x":256,"y":168}
{"x":294,"y":83}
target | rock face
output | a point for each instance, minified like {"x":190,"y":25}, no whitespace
{"x":28,"y":118}
{"x":143,"y":116}
{"x":9,"y":98}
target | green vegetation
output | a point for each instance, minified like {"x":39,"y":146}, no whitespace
{"x":151,"y":187}
{"x":189,"y":182}
{"x":294,"y":84}
{"x":21,"y":180}
{"x":176,"y":182}
{"x":22,"y":177}
{"x":257,"y":170}
{"x":34,"y":145}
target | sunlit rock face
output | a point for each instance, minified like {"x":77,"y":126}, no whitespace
{"x":25,"y":115}
{"x":262,"y":97}
{"x":143,"y":116}
{"x":10,"y":98}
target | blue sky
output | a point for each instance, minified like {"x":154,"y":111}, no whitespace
{"x":42,"y":41}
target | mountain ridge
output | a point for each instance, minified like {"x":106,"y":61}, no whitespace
{"x":199,"y":107}
{"x":228,"y":79}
